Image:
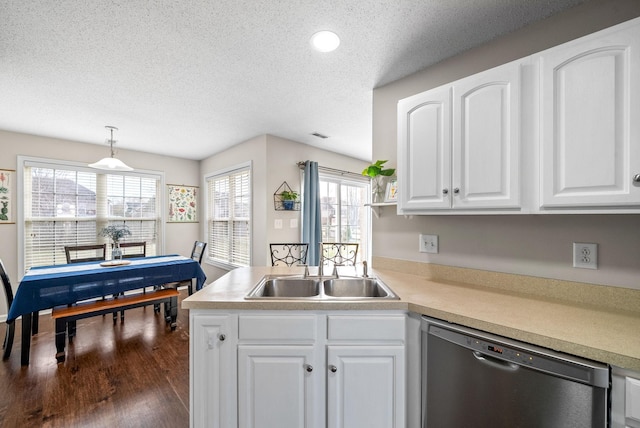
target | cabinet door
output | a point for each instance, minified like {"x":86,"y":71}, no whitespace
{"x":590,"y":104}
{"x":424,"y":150}
{"x":213,"y":380}
{"x":486,"y":139}
{"x":277,"y":387}
{"x":365,"y":386}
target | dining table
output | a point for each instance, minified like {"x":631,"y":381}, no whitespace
{"x":45,"y":287}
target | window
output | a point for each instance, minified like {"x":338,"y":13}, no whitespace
{"x":344,"y":215}
{"x":229,"y":217}
{"x":68,"y":204}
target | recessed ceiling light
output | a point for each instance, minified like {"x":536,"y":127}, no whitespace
{"x":325,"y":41}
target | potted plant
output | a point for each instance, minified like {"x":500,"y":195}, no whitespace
{"x":116,"y":233}
{"x":378,"y":174}
{"x":289,"y":198}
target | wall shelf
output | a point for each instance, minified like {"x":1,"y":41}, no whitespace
{"x":377,"y":207}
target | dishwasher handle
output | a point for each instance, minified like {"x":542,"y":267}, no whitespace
{"x":494,"y":362}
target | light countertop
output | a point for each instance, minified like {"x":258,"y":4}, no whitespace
{"x":599,"y":333}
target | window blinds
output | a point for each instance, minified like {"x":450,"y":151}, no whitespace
{"x":69,"y":205}
{"x":229,"y":217}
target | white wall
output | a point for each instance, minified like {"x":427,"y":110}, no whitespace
{"x":538,"y":245}
{"x":179,"y":237}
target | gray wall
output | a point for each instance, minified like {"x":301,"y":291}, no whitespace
{"x":539,"y":245}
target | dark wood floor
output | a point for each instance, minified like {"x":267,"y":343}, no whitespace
{"x":135,"y":373}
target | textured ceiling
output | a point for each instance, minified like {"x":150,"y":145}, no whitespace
{"x":193,"y":77}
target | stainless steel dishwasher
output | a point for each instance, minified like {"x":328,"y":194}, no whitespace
{"x":475,"y":379}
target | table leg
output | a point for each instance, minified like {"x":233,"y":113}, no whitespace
{"x":61,"y":327}
{"x":35,"y":317}
{"x":26,"y":339}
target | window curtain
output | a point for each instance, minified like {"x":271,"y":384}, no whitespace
{"x":311,"y":213}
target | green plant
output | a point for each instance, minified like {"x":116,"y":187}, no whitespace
{"x":289,"y":195}
{"x":377,"y":169}
{"x":116,"y":233}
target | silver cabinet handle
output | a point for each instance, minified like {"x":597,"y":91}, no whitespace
{"x":309,"y":368}
{"x":636,"y":178}
{"x":333,"y":368}
{"x":222,"y":337}
{"x":445,"y":191}
{"x":456,"y":190}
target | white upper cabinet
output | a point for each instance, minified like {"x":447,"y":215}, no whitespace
{"x":459,"y":144}
{"x":590,"y":120}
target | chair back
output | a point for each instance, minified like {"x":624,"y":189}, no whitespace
{"x":133,"y":249}
{"x":288,"y":254}
{"x":336,"y":253}
{"x":198,"y":251}
{"x":85,"y":253}
{"x":8,"y":291}
{"x":11,"y":326}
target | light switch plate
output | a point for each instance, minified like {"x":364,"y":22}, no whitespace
{"x":428,"y":244}
{"x":277,"y":224}
{"x":293,"y":223}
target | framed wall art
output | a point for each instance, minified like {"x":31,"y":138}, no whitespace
{"x":183,"y":203}
{"x":392,"y":191}
{"x":6,"y":196}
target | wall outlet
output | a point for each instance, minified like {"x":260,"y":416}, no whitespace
{"x":585,"y":255}
{"x":428,"y":244}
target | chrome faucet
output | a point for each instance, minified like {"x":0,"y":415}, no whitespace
{"x":321,"y":262}
{"x":364,"y":269}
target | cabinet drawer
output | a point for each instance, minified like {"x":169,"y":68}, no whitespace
{"x":364,"y":328}
{"x":277,"y":327}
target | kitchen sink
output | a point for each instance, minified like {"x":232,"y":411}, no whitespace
{"x":320,"y":288}
{"x":289,"y":287}
{"x":356,"y":287}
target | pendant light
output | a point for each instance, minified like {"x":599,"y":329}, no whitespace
{"x":111,"y":163}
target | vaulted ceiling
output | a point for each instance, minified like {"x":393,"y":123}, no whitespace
{"x":192,"y":78}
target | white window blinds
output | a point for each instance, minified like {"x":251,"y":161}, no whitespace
{"x":69,"y":205}
{"x":229,"y":217}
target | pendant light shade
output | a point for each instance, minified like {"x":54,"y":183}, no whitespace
{"x":111,"y":163}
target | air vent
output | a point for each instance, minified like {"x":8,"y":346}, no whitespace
{"x":317,"y":134}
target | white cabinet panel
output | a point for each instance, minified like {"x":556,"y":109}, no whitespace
{"x":590,"y":102}
{"x":212,"y":375}
{"x":277,"y":387}
{"x":424,"y":146}
{"x":365,"y":386}
{"x":486,"y":142}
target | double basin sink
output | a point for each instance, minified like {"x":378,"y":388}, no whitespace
{"x":321,"y":288}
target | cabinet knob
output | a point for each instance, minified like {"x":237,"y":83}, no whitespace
{"x":636,"y":178}
{"x":333,"y":368}
{"x":445,"y":191}
{"x":456,"y":190}
{"x":309,"y":368}
{"x":222,"y":337}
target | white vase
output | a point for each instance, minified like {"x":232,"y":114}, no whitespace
{"x":378,"y":188}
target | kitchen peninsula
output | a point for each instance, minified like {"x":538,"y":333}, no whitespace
{"x":594,"y":322}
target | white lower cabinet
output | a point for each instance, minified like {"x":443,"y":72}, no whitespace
{"x":277,"y":386}
{"x":625,"y":398}
{"x":365,"y":386}
{"x":258,"y":369}
{"x":213,"y":386}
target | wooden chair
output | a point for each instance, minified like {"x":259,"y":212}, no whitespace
{"x":196,"y":254}
{"x":133,"y":249}
{"x":340,"y":254}
{"x":11,"y":326}
{"x":288,"y":254}
{"x":85,"y":253}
